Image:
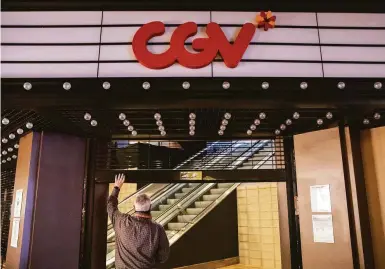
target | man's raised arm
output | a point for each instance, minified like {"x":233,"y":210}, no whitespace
{"x":112,"y":203}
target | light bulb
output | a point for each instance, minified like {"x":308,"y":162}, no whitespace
{"x":66,"y":86}
{"x":249,"y":132}
{"x":226,"y":85}
{"x":20,"y":131}
{"x":12,"y":136}
{"x":253,"y":127}
{"x":192,"y":116}
{"x":16,"y":146}
{"x":87,"y":116}
{"x":157,"y":116}
{"x":5,"y":121}
{"x":220,"y":132}
{"x":29,"y":125}
{"x":130,"y":128}
{"x":27,"y":86}
{"x":277,"y":132}
{"x":377,"y":116}
{"x":126,"y":122}
{"x":282,"y":127}
{"x":4,"y":152}
{"x":288,"y":122}
{"x":378,"y":85}
{"x":192,"y":128}
{"x":303,"y":85}
{"x":225,"y":122}
{"x":227,"y":116}
{"x":106,"y":85}
{"x":366,"y":121}
{"x":163,"y":133}
{"x":4,"y":140}
{"x":159,"y":122}
{"x":192,"y":122}
{"x":192,"y":133}
{"x":296,"y":115}
{"x":262,"y":116}
{"x":134,"y":133}
{"x":94,"y":123}
{"x":14,"y":156}
{"x":186,"y":85}
{"x":341,"y":85}
{"x":257,"y":122}
{"x":265,"y":85}
{"x":222,"y":127}
{"x":161,"y":128}
{"x":146,"y":85}
{"x":329,"y":115}
{"x":10,"y":149}
{"x":320,"y":121}
{"x":122,"y":116}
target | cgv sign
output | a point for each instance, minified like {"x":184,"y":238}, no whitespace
{"x":206,"y":48}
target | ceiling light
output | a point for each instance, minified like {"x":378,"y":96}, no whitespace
{"x":192,"y":122}
{"x":220,"y":132}
{"x":146,"y":85}
{"x":366,"y":121}
{"x":192,"y":133}
{"x":186,"y":85}
{"x":303,"y":85}
{"x":130,"y":128}
{"x":4,"y":140}
{"x":226,"y":85}
{"x":94,"y":123}
{"x":20,"y":131}
{"x":262,"y":116}
{"x":5,"y":121}
{"x":12,"y":136}
{"x":225,"y":122}
{"x":222,"y":127}
{"x":126,"y":123}
{"x":249,"y":132}
{"x":320,"y":121}
{"x":159,"y":122}
{"x":134,"y":133}
{"x":296,"y":115}
{"x":265,"y":85}
{"x":253,"y":127}
{"x":377,"y":116}
{"x":378,"y":85}
{"x":3,"y":161}
{"x":288,"y":122}
{"x":341,"y":85}
{"x":122,"y":116}
{"x":161,"y":128}
{"x":192,"y":128}
{"x":87,"y":116}
{"x":4,"y":152}
{"x":9,"y":159}
{"x":14,"y":156}
{"x":192,"y":116}
{"x":277,"y":132}
{"x":282,"y":127}
{"x":163,"y":133}
{"x":106,"y":85}
{"x":66,"y":86}
{"x":157,"y":116}
{"x":227,"y":116}
{"x":27,"y":86}
{"x":329,"y":115}
{"x":29,"y":125}
{"x":16,"y":146}
{"x":10,"y":149}
{"x":257,"y":122}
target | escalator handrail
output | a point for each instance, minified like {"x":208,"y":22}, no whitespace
{"x":208,"y":159}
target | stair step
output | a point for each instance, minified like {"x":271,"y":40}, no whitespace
{"x":164,"y":207}
{"x":179,"y":195}
{"x":172,"y":201}
{"x":186,"y":218}
{"x":194,"y":211}
{"x":170,"y":233}
{"x":156,"y":214}
{"x":193,"y":185}
{"x":202,"y":204}
{"x":187,"y":189}
{"x":218,"y":191}
{"x":225,"y":185}
{"x":210,"y":197}
{"x":176,"y":225}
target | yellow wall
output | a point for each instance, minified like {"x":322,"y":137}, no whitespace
{"x":373,"y":156}
{"x":126,"y":190}
{"x":258,"y":225}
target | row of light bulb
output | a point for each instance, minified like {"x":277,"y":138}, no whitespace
{"x":88,"y":117}
{"x":19,"y":131}
{"x":191,"y":123}
{"x":9,"y":150}
{"x":376,"y":116}
{"x":256,"y":123}
{"x":224,"y":123}
{"x":159,"y":123}
{"x":186,"y":85}
{"x":127,"y":123}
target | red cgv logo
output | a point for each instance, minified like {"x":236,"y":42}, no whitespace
{"x":207,"y":48}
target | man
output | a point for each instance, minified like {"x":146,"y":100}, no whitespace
{"x":140,"y":242}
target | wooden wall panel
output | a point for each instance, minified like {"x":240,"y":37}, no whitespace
{"x":319,"y":161}
{"x":373,"y":155}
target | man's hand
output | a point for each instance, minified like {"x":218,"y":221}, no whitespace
{"x":119,"y":180}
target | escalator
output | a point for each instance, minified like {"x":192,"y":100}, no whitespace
{"x":178,"y":207}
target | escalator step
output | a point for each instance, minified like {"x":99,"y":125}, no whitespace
{"x":176,"y":225}
{"x":187,"y":189}
{"x":164,"y":207}
{"x":218,"y":191}
{"x":186,"y":218}
{"x":156,"y":214}
{"x":193,"y":185}
{"x":194,"y":211}
{"x":211,"y":197}
{"x":225,"y":185}
{"x":170,"y":233}
{"x":202,"y":204}
{"x":179,"y":195}
{"x":172,"y":201}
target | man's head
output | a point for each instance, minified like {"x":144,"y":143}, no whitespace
{"x":142,"y":203}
